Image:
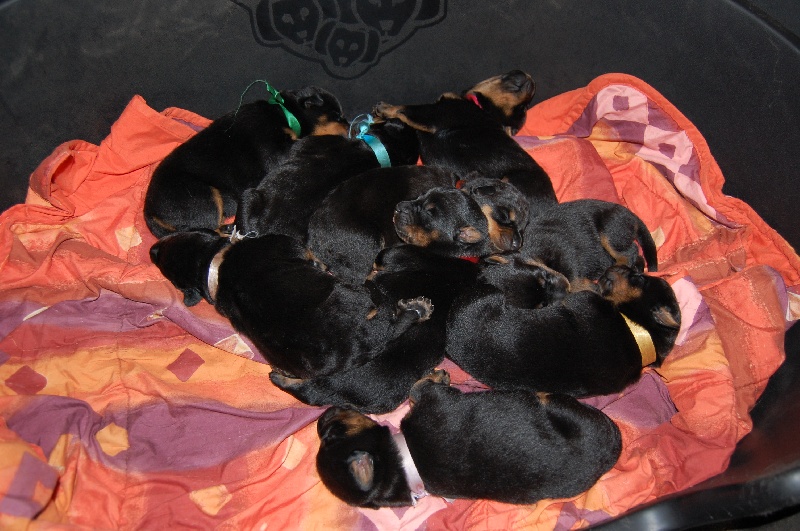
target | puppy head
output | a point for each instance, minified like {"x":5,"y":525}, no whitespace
{"x":647,"y":300}
{"x":506,"y":210}
{"x":507,"y":96}
{"x":359,"y":462}
{"x":184,"y":259}
{"x":445,"y":220}
{"x":317,"y":110}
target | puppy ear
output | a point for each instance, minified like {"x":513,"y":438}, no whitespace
{"x":362,"y":469}
{"x":327,"y":425}
{"x":469,"y":234}
{"x":154,"y":250}
{"x":315,"y":100}
{"x":664,"y":317}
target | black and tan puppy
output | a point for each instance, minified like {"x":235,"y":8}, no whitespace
{"x":481,"y":218}
{"x":304,"y":321}
{"x":381,"y":384}
{"x":199,"y":184}
{"x":581,"y":239}
{"x":375,"y":210}
{"x":470,"y":132}
{"x":285,"y":199}
{"x":509,"y":446}
{"x":580,"y":343}
{"x":354,"y":222}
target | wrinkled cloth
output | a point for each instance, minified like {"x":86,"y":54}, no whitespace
{"x":121,"y":408}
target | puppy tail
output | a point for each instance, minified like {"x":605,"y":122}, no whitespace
{"x":648,"y":246}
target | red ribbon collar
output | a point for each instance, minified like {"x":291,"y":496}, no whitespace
{"x":474,"y":99}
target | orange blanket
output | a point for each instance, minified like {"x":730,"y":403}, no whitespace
{"x":121,"y":408}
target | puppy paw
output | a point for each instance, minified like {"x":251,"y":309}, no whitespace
{"x":421,"y":305}
{"x":439,"y":376}
{"x":284,"y":382}
{"x":544,"y":398}
{"x":386,"y":110}
{"x":554,"y":284}
{"x":436,"y":376}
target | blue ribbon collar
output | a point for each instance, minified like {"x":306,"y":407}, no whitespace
{"x":362,"y":123}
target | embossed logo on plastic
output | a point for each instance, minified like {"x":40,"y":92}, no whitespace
{"x":348,"y":37}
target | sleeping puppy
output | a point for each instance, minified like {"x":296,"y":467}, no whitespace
{"x":374,"y":210}
{"x":285,"y":199}
{"x":304,"y":321}
{"x":580,"y":343}
{"x":508,"y":446}
{"x":483,"y":217}
{"x":470,"y":132}
{"x":581,"y":239}
{"x":354,"y":222}
{"x":199,"y":184}
{"x":381,"y":384}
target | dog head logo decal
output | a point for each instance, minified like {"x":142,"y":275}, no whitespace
{"x":347,"y":37}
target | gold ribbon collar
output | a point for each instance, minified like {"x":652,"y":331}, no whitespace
{"x":646,"y":347}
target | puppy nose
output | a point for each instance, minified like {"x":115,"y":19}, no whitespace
{"x":516,"y":241}
{"x":154,"y":253}
{"x":519,"y":79}
{"x":401,"y":207}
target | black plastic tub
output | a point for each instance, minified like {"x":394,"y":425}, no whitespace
{"x":732,"y":67}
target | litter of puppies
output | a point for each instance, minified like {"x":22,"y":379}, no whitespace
{"x":355,"y":281}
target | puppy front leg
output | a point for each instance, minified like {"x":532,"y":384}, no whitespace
{"x":253,"y":208}
{"x":306,"y":391}
{"x":419,"y":117}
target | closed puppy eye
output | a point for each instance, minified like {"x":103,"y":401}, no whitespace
{"x":502,"y":215}
{"x":484,"y":190}
{"x":431,"y":208}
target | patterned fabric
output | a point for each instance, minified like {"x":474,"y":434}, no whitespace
{"x":121,"y":408}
